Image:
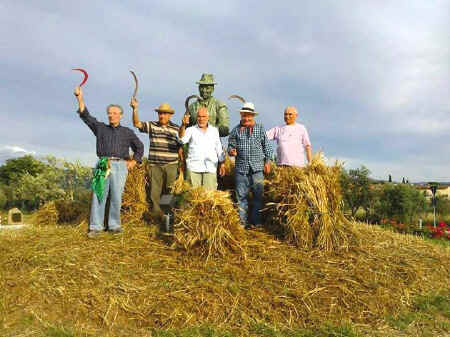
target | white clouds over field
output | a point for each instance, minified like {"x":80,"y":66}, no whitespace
{"x":370,"y":78}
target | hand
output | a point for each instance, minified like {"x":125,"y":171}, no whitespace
{"x":131,"y":164}
{"x":222,"y":169}
{"x":185,"y":120}
{"x":78,"y":93}
{"x":232,"y":152}
{"x":134,"y":103}
{"x":267,"y":167}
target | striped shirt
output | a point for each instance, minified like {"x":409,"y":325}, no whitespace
{"x":164,"y":143}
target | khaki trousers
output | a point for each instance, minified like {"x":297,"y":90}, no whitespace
{"x":206,"y":179}
{"x":161,"y":177}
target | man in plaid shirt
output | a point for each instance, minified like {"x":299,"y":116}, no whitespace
{"x":253,"y":151}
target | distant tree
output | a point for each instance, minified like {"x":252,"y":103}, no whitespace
{"x":442,"y":205}
{"x":356,"y":189}
{"x":3,"y":198}
{"x":401,"y":202}
{"x":403,"y":180}
{"x":13,"y":169}
{"x":390,"y":178}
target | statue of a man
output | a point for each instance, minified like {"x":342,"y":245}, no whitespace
{"x":217,"y":110}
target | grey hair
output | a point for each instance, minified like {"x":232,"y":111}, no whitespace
{"x":114,"y":106}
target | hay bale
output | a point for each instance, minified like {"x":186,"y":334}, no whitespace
{"x":208,"y":223}
{"x":134,"y":198}
{"x":306,"y":206}
{"x":46,"y":215}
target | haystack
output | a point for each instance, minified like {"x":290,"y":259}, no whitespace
{"x":305,"y":205}
{"x":134,"y":199}
{"x":208,"y":223}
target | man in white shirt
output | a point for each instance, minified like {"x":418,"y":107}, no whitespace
{"x":205,"y":151}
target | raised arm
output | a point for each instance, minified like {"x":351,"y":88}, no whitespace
{"x":134,"y":105}
{"x":79,"y":95}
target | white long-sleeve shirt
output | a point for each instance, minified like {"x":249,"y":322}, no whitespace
{"x":205,"y":149}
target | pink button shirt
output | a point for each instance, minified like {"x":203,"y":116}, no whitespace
{"x":291,"y":141}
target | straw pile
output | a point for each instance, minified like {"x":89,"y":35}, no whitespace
{"x":129,"y":284}
{"x":46,"y":215}
{"x":61,"y":212}
{"x":306,"y":206}
{"x":208,"y":223}
{"x":134,"y":199}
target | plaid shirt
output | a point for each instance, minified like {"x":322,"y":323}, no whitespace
{"x":253,"y":150}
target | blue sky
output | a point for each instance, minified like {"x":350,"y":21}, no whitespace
{"x":370,"y":78}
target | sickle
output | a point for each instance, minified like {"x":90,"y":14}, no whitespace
{"x":238,"y":97}
{"x":85,"y":75}
{"x":186,"y":102}
{"x":136,"y":82}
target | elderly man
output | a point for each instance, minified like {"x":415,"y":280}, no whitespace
{"x":292,"y":140}
{"x":205,"y":151}
{"x":113,"y":144}
{"x":218,"y":112}
{"x":253,"y":151}
{"x":164,"y":151}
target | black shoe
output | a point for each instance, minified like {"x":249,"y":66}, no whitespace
{"x":248,"y":227}
{"x":115,"y":231}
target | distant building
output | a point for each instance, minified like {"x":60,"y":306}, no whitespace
{"x":441,"y":191}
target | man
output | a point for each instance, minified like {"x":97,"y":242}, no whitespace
{"x":164,"y":151}
{"x":253,"y":151}
{"x":292,"y":140}
{"x":205,"y":151}
{"x":113,"y":144}
{"x":218,"y":112}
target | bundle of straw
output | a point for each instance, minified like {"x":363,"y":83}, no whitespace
{"x":306,"y":206}
{"x":46,"y":215}
{"x":208,"y":223}
{"x":134,"y":198}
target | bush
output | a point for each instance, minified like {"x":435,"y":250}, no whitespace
{"x":3,"y":199}
{"x":402,"y":203}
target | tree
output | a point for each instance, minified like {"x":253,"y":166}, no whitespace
{"x":390,"y":178}
{"x":442,"y":205}
{"x":356,"y":189}
{"x":400,"y":202}
{"x":13,"y":169}
{"x":3,"y":198}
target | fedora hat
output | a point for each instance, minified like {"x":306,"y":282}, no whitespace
{"x":165,"y":107}
{"x":248,"y":107}
{"x":207,"y":79}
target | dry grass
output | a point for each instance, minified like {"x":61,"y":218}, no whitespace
{"x":305,"y":206}
{"x":125,"y":285}
{"x":208,"y":223}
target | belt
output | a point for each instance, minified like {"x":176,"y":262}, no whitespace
{"x":115,"y":158}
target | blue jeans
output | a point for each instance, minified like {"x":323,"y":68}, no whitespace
{"x":114,"y":185}
{"x":245,"y":182}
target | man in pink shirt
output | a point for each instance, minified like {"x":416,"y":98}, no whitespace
{"x":292,"y":140}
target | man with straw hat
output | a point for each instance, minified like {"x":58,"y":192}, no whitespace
{"x":164,"y":151}
{"x":113,"y":144}
{"x":205,"y":151}
{"x":253,"y":151}
{"x":292,"y":140}
{"x":218,"y":112}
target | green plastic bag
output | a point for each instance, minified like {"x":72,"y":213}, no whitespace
{"x":98,"y":181}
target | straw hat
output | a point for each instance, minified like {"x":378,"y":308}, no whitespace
{"x":248,"y":107}
{"x":165,"y":107}
{"x":207,"y":79}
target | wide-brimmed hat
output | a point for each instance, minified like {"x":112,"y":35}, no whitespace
{"x":248,"y":107}
{"x":165,"y":107}
{"x":207,"y":79}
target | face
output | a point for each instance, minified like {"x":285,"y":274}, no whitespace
{"x":164,"y":117}
{"x":247,"y":119}
{"x":206,"y":90}
{"x":114,"y":115}
{"x":202,"y":117}
{"x":290,"y":115}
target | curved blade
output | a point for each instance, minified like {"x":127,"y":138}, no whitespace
{"x":186,"y":102}
{"x":238,"y":97}
{"x":136,"y":82}
{"x":85,"y":75}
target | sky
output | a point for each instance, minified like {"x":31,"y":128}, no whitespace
{"x":370,"y":78}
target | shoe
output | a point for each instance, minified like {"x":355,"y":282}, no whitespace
{"x":115,"y":231}
{"x":93,"y":234}
{"x":248,"y":227}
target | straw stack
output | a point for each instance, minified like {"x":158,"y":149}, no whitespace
{"x":134,"y":198}
{"x":208,"y":223}
{"x":305,"y":205}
